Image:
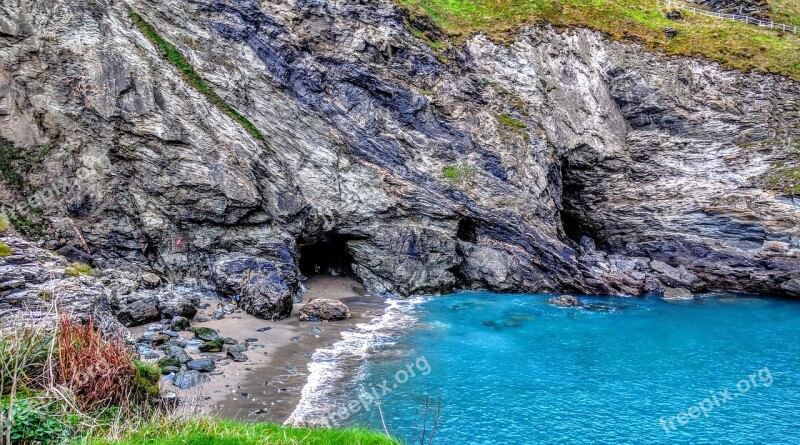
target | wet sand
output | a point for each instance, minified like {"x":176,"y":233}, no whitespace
{"x":267,"y":387}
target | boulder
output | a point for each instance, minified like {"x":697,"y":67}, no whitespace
{"x":324,"y":310}
{"x":189,"y":379}
{"x":565,"y":301}
{"x":179,"y":323}
{"x":139,"y":309}
{"x":677,"y":293}
{"x":266,"y":285}
{"x":206,"y":334}
{"x":674,"y":15}
{"x":150,"y":280}
{"x":201,"y":364}
{"x":178,"y":353}
{"x":236,"y":355}
{"x":212,"y":346}
{"x":670,"y":32}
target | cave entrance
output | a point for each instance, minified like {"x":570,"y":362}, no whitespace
{"x":576,"y":211}
{"x":327,"y":257}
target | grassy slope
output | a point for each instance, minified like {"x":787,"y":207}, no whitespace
{"x":731,"y":43}
{"x":191,"y":76}
{"x":209,"y":432}
{"x":785,"y":11}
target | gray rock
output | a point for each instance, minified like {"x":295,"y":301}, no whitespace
{"x":170,"y":370}
{"x":202,"y":365}
{"x":180,"y":323}
{"x":150,"y":280}
{"x":670,"y":32}
{"x":266,"y":286}
{"x":565,"y":301}
{"x":140,"y":311}
{"x":237,"y":356}
{"x":672,"y":293}
{"x":206,"y":334}
{"x":178,"y":353}
{"x":189,"y":379}
{"x":324,"y":310}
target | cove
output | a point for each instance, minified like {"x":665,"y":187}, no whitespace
{"x":511,"y":369}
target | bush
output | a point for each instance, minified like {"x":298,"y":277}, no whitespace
{"x":4,"y":223}
{"x":35,"y":422}
{"x":99,"y":373}
{"x":24,"y":357}
{"x":5,"y":250}
{"x":145,"y":381}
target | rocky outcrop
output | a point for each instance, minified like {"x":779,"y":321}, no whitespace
{"x":565,"y":301}
{"x":36,"y":286}
{"x":480,"y":167}
{"x":323,"y":309}
{"x":754,"y":8}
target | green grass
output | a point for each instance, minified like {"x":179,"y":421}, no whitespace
{"x":78,"y":269}
{"x":4,"y":223}
{"x":458,"y":173}
{"x":733,"y":44}
{"x":5,"y":250}
{"x":785,"y":11}
{"x":222,"y":432}
{"x":510,"y":123}
{"x":782,"y":179}
{"x":176,"y":58}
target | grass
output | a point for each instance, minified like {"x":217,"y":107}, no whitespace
{"x":4,"y":223}
{"x":458,"y":173}
{"x":510,"y":123}
{"x":221,"y":432}
{"x":783,"y":179}
{"x":5,"y":250}
{"x":733,"y":44}
{"x":78,"y":269}
{"x":177,"y":59}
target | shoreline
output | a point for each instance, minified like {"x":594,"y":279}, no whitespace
{"x":269,"y":385}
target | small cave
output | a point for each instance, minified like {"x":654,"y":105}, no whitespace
{"x":575,"y":212}
{"x":467,"y":230}
{"x":329,"y":256}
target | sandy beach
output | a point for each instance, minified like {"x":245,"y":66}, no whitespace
{"x":268,"y":386}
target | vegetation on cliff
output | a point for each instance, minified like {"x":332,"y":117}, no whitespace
{"x":733,"y":44}
{"x":177,"y":59}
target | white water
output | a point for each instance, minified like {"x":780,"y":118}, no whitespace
{"x":334,"y":372}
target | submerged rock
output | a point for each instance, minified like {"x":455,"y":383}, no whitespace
{"x":324,"y":310}
{"x":565,"y":301}
{"x":679,"y":293}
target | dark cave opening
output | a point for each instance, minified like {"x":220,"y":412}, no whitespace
{"x":575,"y":213}
{"x":467,"y":230}
{"x":329,"y":256}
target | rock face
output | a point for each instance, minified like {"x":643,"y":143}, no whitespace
{"x":418,"y":173}
{"x":35,"y":282}
{"x":324,"y":310}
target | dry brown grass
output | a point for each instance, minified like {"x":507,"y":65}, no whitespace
{"x":98,"y":372}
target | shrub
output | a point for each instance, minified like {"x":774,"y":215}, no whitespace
{"x":145,"y":381}
{"x":24,"y":356}
{"x":98,"y":372}
{"x":34,"y":422}
{"x":5,"y":250}
{"x":4,"y":223}
{"x":78,"y":269}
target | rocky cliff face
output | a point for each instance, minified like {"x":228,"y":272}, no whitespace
{"x":561,"y":162}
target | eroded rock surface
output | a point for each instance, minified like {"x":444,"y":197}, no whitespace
{"x":484,"y":170}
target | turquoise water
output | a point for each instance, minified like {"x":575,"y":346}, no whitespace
{"x":514,"y":370}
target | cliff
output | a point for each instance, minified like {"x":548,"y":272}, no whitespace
{"x":323,"y":135}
